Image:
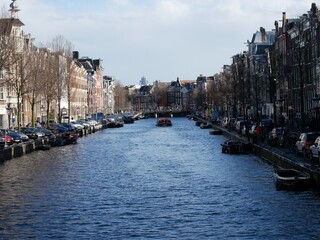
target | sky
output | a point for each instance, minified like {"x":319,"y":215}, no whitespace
{"x":158,"y":39}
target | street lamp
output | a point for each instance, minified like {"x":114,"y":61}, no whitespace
{"x":316,"y":108}
{"x":9,"y":110}
{"x":85,"y":111}
{"x":78,"y":108}
{"x":41,"y":111}
{"x":281,"y":117}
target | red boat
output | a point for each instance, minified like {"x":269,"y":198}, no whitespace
{"x":163,"y":122}
{"x":66,"y":138}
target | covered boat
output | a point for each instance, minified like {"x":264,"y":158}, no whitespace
{"x":235,"y":147}
{"x":205,"y":125}
{"x":163,"y":122}
{"x":291,"y":179}
{"x":216,"y":132}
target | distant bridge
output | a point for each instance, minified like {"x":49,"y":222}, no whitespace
{"x":165,"y":113}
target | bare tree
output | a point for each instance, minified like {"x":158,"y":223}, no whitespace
{"x":33,"y":86}
{"x":71,"y":79}
{"x":7,"y":43}
{"x":48,"y":86}
{"x":59,"y":46}
{"x":14,"y":61}
{"x":160,"y":94}
{"x":120,"y":97}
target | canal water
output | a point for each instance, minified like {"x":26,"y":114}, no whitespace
{"x":148,"y":182}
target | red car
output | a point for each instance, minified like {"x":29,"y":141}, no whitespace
{"x":8,"y":139}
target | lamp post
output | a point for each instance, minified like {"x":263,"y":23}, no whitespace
{"x":298,"y":38}
{"x":316,"y":101}
{"x":63,"y":112}
{"x":78,"y":108}
{"x":41,"y":112}
{"x":259,"y":117}
{"x":85,"y":111}
{"x":9,"y":109}
{"x":281,"y":117}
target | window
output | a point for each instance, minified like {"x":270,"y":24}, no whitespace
{"x":1,"y":93}
{"x":1,"y":121}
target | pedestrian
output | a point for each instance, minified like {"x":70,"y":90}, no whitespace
{"x":281,"y":120}
{"x":258,"y":132}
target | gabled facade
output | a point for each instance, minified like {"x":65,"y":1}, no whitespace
{"x":12,"y":42}
{"x":187,"y":89}
{"x":94,"y":84}
{"x":258,"y":66}
{"x":78,"y":91}
{"x":144,"y":100}
{"x":174,"y":94}
{"x":108,"y":95}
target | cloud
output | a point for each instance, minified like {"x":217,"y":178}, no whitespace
{"x":162,"y":39}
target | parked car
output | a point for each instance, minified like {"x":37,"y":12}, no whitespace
{"x":57,"y":128}
{"x":289,"y":139}
{"x":23,"y":136}
{"x":7,"y":138}
{"x":315,"y":149}
{"x":15,"y":137}
{"x":84,"y":123}
{"x":240,"y":124}
{"x":2,"y":143}
{"x":69,"y":126}
{"x":267,"y":124}
{"x":92,"y":122}
{"x":64,"y":134}
{"x":78,"y":125}
{"x":32,"y":133}
{"x":246,"y":129}
{"x":49,"y":135}
{"x":225,"y":122}
{"x":305,"y":141}
{"x":275,"y":136}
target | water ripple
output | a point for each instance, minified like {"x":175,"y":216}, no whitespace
{"x":144,"y":182}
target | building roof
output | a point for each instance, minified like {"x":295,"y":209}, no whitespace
{"x":184,"y":82}
{"x":6,"y":25}
{"x":145,"y":88}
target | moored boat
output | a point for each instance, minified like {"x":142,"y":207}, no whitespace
{"x":163,"y":122}
{"x":128,"y":119}
{"x":216,"y":132}
{"x":291,"y":179}
{"x":235,"y":147}
{"x":205,"y":125}
{"x":44,"y":147}
{"x":198,"y":123}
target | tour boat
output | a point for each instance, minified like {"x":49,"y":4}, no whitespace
{"x":163,"y":122}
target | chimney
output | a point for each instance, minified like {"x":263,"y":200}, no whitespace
{"x":314,"y":8}
{"x":284,"y":22}
{"x":75,"y":55}
{"x":263,"y":35}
